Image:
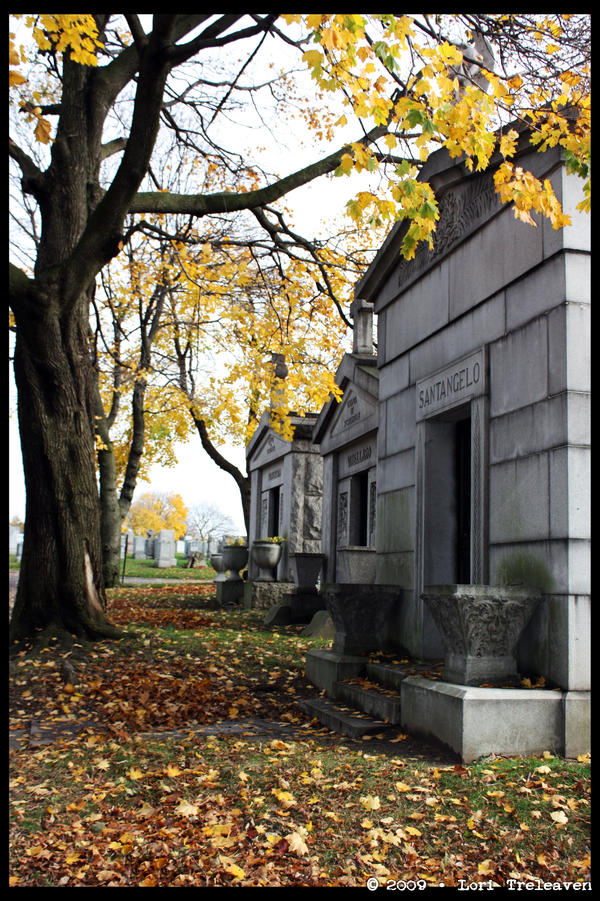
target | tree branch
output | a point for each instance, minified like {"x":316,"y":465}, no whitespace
{"x":229,"y":201}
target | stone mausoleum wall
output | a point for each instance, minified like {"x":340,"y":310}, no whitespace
{"x":487,"y":337}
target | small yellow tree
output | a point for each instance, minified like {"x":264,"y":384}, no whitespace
{"x":158,"y":511}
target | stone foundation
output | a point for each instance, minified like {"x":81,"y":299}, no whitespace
{"x":262,"y":595}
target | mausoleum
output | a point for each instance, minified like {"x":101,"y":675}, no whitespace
{"x":346,"y":433}
{"x":286,"y":494}
{"x":483,"y":465}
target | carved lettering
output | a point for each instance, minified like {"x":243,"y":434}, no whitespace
{"x":455,"y":385}
{"x":359,"y":456}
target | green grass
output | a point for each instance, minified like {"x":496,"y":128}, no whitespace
{"x":147,"y":569}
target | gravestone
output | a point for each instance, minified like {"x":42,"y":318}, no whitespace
{"x":164,"y":549}
{"x":15,"y":537}
{"x":139,"y":547}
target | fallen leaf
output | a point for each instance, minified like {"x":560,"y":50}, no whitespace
{"x":297,"y":844}
{"x":560,"y":817}
{"x":186,"y":810}
{"x":370,"y":803}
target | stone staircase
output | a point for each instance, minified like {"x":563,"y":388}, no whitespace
{"x":365,"y":705}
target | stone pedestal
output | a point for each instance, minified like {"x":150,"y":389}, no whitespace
{"x":481,"y":626}
{"x":262,"y":595}
{"x":304,"y":603}
{"x":230,"y":593}
{"x":364,"y":616}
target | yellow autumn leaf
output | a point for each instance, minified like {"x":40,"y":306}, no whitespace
{"x":230,"y":866}
{"x":366,"y":823}
{"x":186,"y":810}
{"x":297,"y":844}
{"x":370,"y":803}
{"x":402,"y":787}
{"x":485,"y":868}
{"x":134,"y":773}
{"x":412,"y":831}
{"x":559,"y":817}
{"x":173,"y":770}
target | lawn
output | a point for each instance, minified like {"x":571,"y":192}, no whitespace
{"x":147,"y":569}
{"x":195,"y":766}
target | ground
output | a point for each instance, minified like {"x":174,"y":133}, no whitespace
{"x":179,"y":756}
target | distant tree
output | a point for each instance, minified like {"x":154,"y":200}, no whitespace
{"x":207,"y":521}
{"x":158,"y":511}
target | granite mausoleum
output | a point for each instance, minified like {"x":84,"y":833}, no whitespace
{"x":478,"y":462}
{"x":286,"y":492}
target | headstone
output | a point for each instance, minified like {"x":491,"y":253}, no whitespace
{"x":139,"y":547}
{"x":15,"y":536}
{"x":164,"y":549}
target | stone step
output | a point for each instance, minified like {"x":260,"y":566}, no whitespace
{"x":389,"y":674}
{"x":341,"y":719}
{"x":371,"y":700}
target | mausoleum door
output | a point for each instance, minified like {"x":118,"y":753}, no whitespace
{"x":274,"y":511}
{"x":447,"y":502}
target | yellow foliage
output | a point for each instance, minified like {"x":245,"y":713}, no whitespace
{"x":158,"y":511}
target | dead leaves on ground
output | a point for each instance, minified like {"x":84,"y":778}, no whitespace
{"x":156,"y":810}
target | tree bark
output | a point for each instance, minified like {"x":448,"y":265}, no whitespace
{"x":60,"y":585}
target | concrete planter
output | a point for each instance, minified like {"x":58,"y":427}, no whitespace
{"x":266,"y":555}
{"x":216,"y":561}
{"x":481,"y":626}
{"x":356,"y":564}
{"x":235,"y":557}
{"x":306,"y":568}
{"x":364,"y":616}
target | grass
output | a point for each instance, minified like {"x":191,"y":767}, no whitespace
{"x":147,"y":569}
{"x":155,"y":793}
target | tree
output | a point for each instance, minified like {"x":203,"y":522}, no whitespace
{"x":158,"y":511}
{"x":110,"y":84}
{"x":207,"y":521}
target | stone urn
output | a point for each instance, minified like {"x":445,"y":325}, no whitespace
{"x":216,"y":561}
{"x":481,"y":626}
{"x":235,"y":557}
{"x":306,"y":568}
{"x":266,"y":555}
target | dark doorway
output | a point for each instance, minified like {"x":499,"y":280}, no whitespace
{"x":274,"y":500}
{"x":463,"y":501}
{"x":359,"y":503}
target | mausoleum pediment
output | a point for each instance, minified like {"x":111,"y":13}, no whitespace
{"x":355,"y":415}
{"x":269,"y":447}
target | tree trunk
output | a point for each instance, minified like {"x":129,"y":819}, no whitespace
{"x":110,"y":514}
{"x":242,"y":481}
{"x":60,"y":587}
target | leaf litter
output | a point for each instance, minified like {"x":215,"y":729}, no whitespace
{"x":143,"y":795}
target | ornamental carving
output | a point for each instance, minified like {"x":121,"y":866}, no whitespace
{"x":462,"y":212}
